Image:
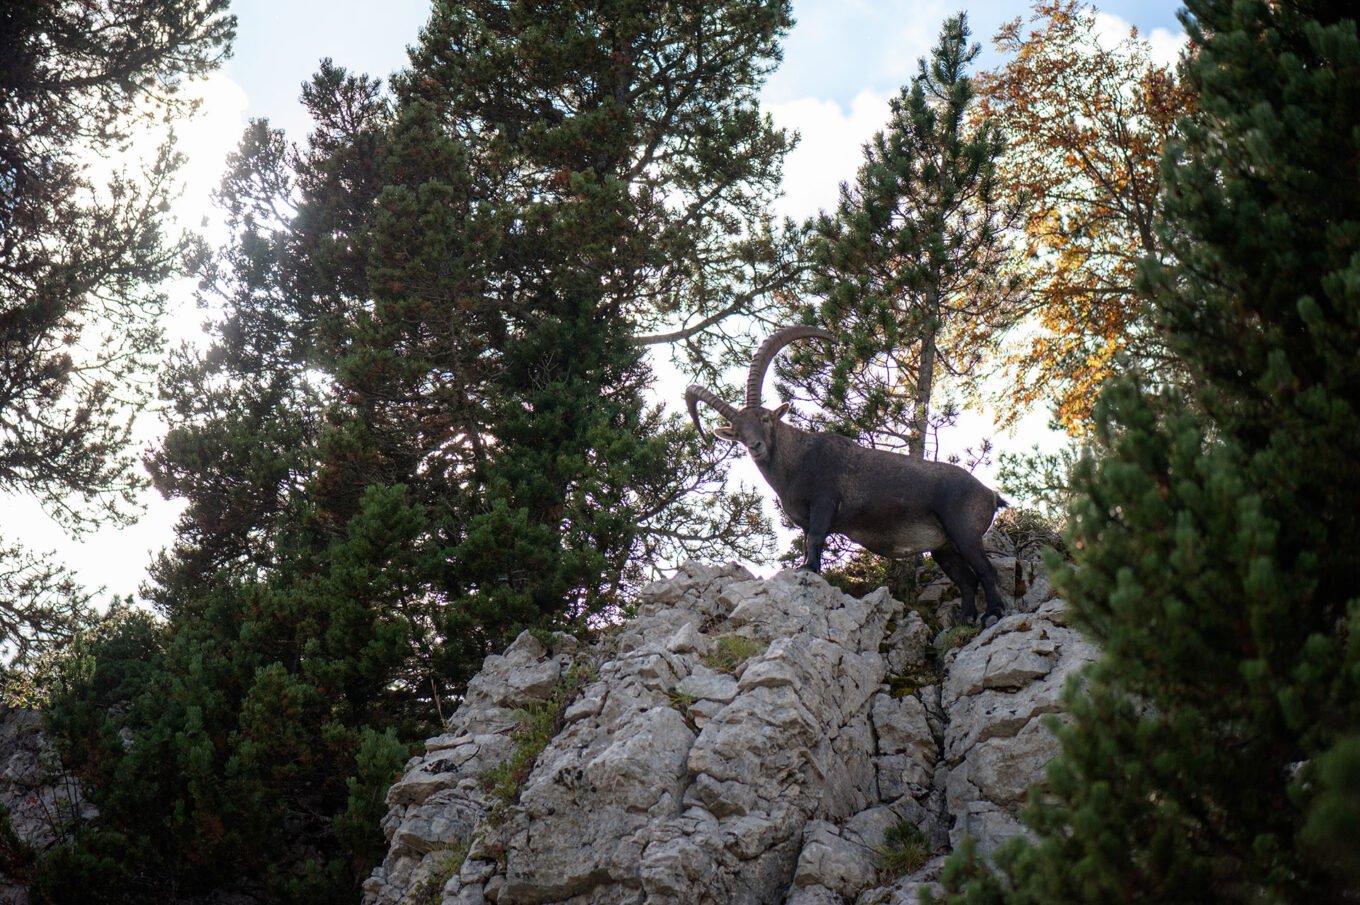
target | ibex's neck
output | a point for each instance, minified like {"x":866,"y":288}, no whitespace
{"x":789,"y":445}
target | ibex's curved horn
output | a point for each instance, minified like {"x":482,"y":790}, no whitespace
{"x":694,"y":394}
{"x":767,"y":351}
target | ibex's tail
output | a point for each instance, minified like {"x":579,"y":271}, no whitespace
{"x":1001,"y":502}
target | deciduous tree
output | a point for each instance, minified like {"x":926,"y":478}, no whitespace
{"x":1085,"y":125}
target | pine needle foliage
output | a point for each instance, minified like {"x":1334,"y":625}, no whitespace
{"x":421,"y":425}
{"x":84,"y":254}
{"x":910,"y":266}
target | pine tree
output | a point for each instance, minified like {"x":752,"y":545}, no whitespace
{"x":248,"y":748}
{"x":271,"y":709}
{"x":910,"y":266}
{"x":82,"y":258}
{"x":248,"y":414}
{"x":1212,"y":755}
{"x":622,"y":144}
{"x":420,"y":428}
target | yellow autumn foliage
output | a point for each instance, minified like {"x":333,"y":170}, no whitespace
{"x":1085,"y":127}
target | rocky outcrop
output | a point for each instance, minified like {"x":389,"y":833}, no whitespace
{"x":40,"y":802}
{"x":739,"y":740}
{"x":997,"y":690}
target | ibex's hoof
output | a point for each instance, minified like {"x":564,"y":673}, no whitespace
{"x":807,"y":568}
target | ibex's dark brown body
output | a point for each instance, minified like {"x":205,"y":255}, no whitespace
{"x":890,"y":504}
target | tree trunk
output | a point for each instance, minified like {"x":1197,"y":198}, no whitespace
{"x":925,"y":377}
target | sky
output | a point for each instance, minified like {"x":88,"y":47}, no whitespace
{"x":843,"y":61}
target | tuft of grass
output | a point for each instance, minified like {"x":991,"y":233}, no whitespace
{"x":538,"y":725}
{"x":448,"y":864}
{"x":904,"y":850}
{"x":681,"y":701}
{"x":730,"y":651}
{"x":957,"y":636}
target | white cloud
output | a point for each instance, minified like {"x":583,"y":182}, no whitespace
{"x":1164,"y":45}
{"x":838,"y":48}
{"x":910,"y":38}
{"x":113,"y":558}
{"x":830,"y":148}
{"x":206,"y":140}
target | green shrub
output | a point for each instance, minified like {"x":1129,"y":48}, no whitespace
{"x":904,"y":850}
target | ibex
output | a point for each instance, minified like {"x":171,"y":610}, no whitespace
{"x":888,"y":503}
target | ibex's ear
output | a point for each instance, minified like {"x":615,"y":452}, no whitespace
{"x":725,"y":432}
{"x":779,"y":412}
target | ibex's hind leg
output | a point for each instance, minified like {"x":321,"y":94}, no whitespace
{"x":967,"y":540}
{"x":986,"y":573}
{"x":956,"y":567}
{"x":965,"y":523}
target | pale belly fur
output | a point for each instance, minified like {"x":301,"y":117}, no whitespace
{"x":903,"y":540}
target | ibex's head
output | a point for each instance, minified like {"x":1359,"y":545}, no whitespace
{"x":753,"y":425}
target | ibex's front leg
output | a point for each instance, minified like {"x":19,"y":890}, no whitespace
{"x":819,"y":525}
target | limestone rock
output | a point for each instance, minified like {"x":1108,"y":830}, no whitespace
{"x":997,"y":691}
{"x":678,"y":778}
{"x":832,"y":861}
{"x":907,"y":890}
{"x":907,"y":645}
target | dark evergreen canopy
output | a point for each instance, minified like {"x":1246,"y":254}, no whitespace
{"x":420,"y":427}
